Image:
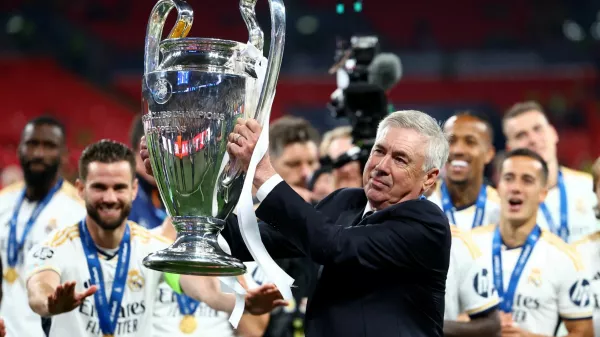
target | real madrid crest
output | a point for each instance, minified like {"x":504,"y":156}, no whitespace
{"x":51,"y":225}
{"x":535,"y":277}
{"x":135,"y":280}
{"x":580,"y":206}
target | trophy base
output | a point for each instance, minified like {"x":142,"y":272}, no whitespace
{"x":195,"y":254}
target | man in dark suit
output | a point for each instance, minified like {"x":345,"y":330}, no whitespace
{"x":384,"y":274}
{"x":384,"y":249}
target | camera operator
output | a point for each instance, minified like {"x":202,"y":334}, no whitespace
{"x":364,"y":76}
{"x":336,"y":143}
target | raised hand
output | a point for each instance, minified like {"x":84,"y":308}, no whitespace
{"x":64,"y":298}
{"x":241,"y":144}
{"x":243,"y":139}
{"x":263,"y":299}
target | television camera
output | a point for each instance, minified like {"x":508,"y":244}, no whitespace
{"x":363,"y":75}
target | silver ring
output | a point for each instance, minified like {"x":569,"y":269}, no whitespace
{"x":236,"y":138}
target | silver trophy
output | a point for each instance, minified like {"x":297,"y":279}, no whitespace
{"x":194,"y":90}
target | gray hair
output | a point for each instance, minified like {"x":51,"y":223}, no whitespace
{"x":437,"y":147}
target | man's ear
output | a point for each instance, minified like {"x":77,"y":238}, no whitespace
{"x":430,"y":179}
{"x":135,"y":187}
{"x":490,"y":154}
{"x":80,"y":185}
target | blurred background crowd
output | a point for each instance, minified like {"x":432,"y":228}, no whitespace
{"x":82,"y":61}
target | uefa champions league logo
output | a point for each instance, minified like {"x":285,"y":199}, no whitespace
{"x":162,"y":91}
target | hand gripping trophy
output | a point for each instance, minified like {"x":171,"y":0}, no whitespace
{"x":194,"y":90}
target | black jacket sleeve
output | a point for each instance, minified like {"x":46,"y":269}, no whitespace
{"x":278,"y":246}
{"x":413,"y":234}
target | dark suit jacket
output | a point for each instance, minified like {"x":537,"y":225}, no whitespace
{"x":382,"y":276}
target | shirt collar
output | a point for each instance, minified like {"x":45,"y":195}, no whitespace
{"x":368,"y":209}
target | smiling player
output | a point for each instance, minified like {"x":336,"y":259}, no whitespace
{"x":462,"y":194}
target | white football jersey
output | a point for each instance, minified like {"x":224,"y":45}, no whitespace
{"x":589,"y":249}
{"x":469,"y":284}
{"x":210,"y":323}
{"x":553,"y":285}
{"x":464,"y":217}
{"x":65,"y":208}
{"x":581,"y":200}
{"x":63,"y":252}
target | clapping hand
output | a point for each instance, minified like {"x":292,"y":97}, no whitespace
{"x":263,"y":299}
{"x":65,"y":299}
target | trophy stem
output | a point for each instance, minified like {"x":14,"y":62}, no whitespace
{"x":196,"y":250}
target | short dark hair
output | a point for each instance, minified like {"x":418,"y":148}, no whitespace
{"x":105,"y":151}
{"x":290,"y":130}
{"x":47,"y":120}
{"x":136,"y":132}
{"x":482,"y":118}
{"x":524,"y":152}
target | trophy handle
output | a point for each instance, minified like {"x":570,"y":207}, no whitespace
{"x":275,"y":51}
{"x":156,"y":22}
{"x":256,"y":36}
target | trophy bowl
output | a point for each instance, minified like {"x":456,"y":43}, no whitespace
{"x":192,"y":95}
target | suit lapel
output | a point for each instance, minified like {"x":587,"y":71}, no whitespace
{"x":351,"y":217}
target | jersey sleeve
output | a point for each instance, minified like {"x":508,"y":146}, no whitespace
{"x":476,"y":293}
{"x":52,"y":254}
{"x":575,"y":295}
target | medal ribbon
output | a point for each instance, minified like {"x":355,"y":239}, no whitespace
{"x":563,"y":230}
{"x":507,"y":298}
{"x":187,"y":305}
{"x":14,"y":245}
{"x":108,"y":310}
{"x":479,"y":205}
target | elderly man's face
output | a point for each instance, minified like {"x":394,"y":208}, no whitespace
{"x":394,"y":171}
